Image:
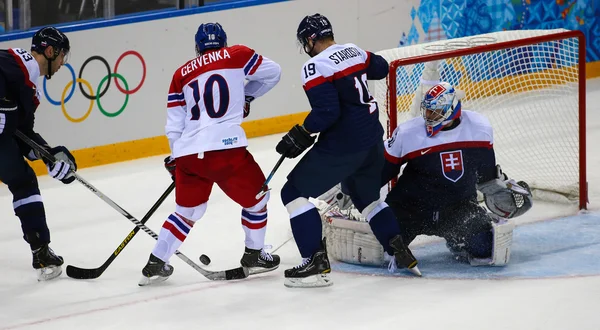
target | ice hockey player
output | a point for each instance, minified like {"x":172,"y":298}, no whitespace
{"x":19,"y":99}
{"x":449,"y":155}
{"x":207,"y":101}
{"x":349,"y":149}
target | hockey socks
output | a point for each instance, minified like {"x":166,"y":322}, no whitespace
{"x":304,"y":219}
{"x":172,"y":234}
{"x":255,"y":227}
{"x":383,"y":223}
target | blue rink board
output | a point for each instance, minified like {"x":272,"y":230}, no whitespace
{"x":563,"y":247}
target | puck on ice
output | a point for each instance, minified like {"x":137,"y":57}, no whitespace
{"x":204,"y":259}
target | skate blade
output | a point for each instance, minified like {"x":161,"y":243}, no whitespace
{"x":152,"y":280}
{"x":48,"y":273}
{"x":415,"y":270}
{"x":315,"y":281}
{"x":259,"y":270}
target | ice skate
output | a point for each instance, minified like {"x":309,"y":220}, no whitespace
{"x":259,"y":261}
{"x":46,"y":263}
{"x":313,"y":272}
{"x":155,"y":271}
{"x":403,"y":257}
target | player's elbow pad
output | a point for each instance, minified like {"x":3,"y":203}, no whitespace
{"x":378,"y":68}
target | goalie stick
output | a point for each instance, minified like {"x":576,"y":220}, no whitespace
{"x":230,"y":274}
{"x":87,"y":273}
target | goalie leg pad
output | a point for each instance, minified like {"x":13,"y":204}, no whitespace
{"x":502,"y":233}
{"x":353,"y":242}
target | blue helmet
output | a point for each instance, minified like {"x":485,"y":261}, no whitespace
{"x":51,"y":36}
{"x":313,"y":27}
{"x":440,"y":106}
{"x":210,"y":35}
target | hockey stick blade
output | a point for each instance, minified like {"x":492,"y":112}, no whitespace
{"x":87,"y":273}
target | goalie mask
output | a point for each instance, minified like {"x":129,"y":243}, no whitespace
{"x":439,"y":107}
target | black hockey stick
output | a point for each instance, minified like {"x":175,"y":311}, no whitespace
{"x":230,"y":274}
{"x":263,"y":189}
{"x":87,"y":273}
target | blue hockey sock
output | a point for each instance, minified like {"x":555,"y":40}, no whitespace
{"x":384,"y":225}
{"x":304,"y":219}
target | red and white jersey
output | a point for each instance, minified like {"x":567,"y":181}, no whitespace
{"x":409,"y":140}
{"x":30,"y":69}
{"x":207,"y":97}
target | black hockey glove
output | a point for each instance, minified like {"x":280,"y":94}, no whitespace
{"x":295,"y":142}
{"x":247,"y":105}
{"x":170,"y":166}
{"x":62,"y":167}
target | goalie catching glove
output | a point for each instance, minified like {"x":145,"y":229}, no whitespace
{"x":505,"y":197}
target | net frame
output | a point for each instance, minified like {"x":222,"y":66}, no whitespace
{"x":485,"y":43}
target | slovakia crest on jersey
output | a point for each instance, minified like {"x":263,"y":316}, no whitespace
{"x":452,"y":165}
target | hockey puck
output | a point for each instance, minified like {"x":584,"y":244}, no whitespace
{"x":204,"y":259}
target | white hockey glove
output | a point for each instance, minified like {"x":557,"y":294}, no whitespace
{"x":505,"y":197}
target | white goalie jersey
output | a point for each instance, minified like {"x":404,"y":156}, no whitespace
{"x":205,"y":106}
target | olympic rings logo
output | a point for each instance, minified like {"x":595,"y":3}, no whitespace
{"x":100,"y":91}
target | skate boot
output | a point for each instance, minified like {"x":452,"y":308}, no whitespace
{"x":155,"y":271}
{"x":313,"y":272}
{"x":403,"y":258}
{"x":46,"y":263}
{"x":259,"y":261}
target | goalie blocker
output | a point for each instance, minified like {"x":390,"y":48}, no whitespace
{"x":351,"y":240}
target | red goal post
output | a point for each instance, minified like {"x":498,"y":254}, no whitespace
{"x":530,"y":84}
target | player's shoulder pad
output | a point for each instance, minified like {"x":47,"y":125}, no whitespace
{"x":27,"y":64}
{"x":479,"y":124}
{"x":241,"y":50}
{"x":314,"y":72}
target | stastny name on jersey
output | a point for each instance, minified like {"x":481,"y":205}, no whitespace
{"x":344,"y":54}
{"x":205,"y":59}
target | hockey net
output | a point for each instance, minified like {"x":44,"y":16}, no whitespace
{"x":529,"y":84}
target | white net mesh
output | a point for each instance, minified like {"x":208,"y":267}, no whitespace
{"x":529,"y":93}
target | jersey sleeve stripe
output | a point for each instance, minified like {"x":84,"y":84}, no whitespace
{"x":368,"y":60}
{"x":255,"y":67}
{"x":392,"y":159}
{"x":445,"y":147}
{"x":250,"y":63}
{"x":176,"y":97}
{"x":315,"y":82}
{"x":174,"y":104}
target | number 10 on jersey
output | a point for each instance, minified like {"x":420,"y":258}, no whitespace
{"x":208,"y":97}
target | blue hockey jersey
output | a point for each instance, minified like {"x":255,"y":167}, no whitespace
{"x":343,"y":110}
{"x":19,"y":73}
{"x":443,"y":169}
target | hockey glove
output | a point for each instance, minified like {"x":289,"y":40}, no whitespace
{"x":247,"y":105}
{"x":63,"y":166}
{"x":170,"y":166}
{"x":295,"y":142}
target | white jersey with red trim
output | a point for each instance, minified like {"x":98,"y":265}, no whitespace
{"x":442,"y":169}
{"x":207,"y":96}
